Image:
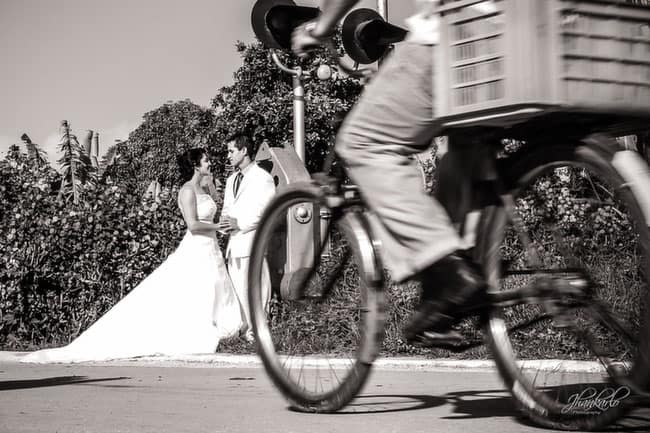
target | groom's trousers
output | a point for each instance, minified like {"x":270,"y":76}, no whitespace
{"x":238,"y":270}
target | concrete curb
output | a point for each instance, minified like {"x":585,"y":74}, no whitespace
{"x":393,"y":363}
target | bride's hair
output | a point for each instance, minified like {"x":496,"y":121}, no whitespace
{"x":188,"y":161}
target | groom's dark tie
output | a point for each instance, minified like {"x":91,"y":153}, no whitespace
{"x":237,"y":182}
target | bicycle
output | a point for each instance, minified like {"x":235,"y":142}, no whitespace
{"x":541,"y":280}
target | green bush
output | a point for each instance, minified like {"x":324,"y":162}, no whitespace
{"x":62,"y":265}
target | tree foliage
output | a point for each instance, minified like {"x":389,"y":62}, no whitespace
{"x":150,"y":152}
{"x":35,"y":153}
{"x":260,"y":102}
{"x":77,"y":171}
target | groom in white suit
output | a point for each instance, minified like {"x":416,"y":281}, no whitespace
{"x":248,"y":190}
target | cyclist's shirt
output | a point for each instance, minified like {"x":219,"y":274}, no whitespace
{"x":424,"y":27}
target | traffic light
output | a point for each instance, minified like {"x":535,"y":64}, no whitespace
{"x":274,"y":20}
{"x":367,"y":36}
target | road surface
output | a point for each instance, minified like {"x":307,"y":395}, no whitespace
{"x":207,"y":398}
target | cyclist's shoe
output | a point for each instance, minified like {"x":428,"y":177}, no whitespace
{"x":451,"y":288}
{"x":440,"y":339}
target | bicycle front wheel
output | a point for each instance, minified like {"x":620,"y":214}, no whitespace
{"x":319,"y":345}
{"x":571,"y":365}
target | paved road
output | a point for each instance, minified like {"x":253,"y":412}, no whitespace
{"x":207,"y":398}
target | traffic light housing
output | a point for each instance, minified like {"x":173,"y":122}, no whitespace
{"x":367,"y":36}
{"x":274,"y":20}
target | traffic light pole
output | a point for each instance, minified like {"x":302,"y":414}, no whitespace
{"x":382,"y":9}
{"x":297,"y":75}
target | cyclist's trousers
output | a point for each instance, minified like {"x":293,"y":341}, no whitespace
{"x":392,"y":122}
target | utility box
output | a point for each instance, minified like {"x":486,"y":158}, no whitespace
{"x":295,"y":243}
{"x":495,"y":55}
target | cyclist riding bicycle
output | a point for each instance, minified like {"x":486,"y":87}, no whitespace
{"x":392,"y":121}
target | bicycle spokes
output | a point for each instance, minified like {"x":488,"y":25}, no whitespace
{"x":570,"y":292}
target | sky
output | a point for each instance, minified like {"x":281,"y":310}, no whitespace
{"x":103,"y":64}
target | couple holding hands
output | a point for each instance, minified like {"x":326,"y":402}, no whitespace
{"x":195,"y":297}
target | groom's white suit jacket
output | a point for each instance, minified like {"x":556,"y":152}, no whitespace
{"x":255,"y":191}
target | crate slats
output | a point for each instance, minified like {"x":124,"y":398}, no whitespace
{"x":502,"y":53}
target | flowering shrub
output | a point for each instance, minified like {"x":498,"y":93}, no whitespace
{"x":62,"y":265}
{"x":580,"y":207}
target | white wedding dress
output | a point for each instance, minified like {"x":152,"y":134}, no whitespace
{"x":184,"y":307}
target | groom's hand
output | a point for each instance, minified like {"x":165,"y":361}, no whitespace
{"x":228,"y":224}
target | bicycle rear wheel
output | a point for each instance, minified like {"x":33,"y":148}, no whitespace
{"x":578,"y":364}
{"x":318,"y":348}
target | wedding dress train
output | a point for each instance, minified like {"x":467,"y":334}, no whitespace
{"x":184,"y":307}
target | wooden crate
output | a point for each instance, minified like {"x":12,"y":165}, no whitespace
{"x":498,"y":54}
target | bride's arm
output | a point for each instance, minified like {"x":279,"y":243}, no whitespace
{"x":187,"y":199}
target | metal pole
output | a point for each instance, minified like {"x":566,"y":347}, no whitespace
{"x":382,"y":9}
{"x":299,"y":116}
{"x":298,"y":105}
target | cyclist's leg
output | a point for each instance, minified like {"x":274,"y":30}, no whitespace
{"x":392,"y":121}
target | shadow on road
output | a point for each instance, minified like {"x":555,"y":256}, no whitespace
{"x":492,"y":403}
{"x":481,"y":404}
{"x":52,"y":381}
{"x":473,"y":405}
{"x":638,"y":421}
{"x":467,"y":405}
{"x":384,"y":403}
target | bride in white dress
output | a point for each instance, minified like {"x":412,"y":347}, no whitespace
{"x":184,"y":307}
